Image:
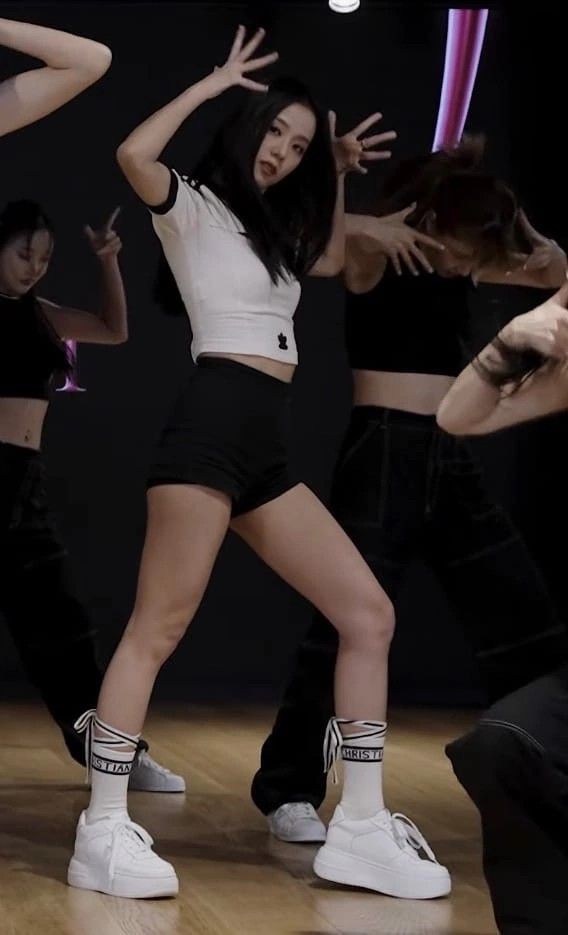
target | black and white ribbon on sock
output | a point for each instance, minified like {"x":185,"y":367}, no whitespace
{"x":116,"y":740}
{"x":336,"y":743}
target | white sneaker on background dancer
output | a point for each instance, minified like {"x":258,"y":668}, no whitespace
{"x":149,"y":776}
{"x":112,"y":854}
{"x":367,"y":846}
{"x":297,"y":823}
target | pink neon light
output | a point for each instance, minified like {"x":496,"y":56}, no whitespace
{"x":71,"y":384}
{"x":466,"y":32}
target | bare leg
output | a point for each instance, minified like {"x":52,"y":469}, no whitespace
{"x":299,"y":539}
{"x":366,"y":845}
{"x":186,"y":528}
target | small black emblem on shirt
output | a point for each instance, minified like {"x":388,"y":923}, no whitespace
{"x":282,"y":342}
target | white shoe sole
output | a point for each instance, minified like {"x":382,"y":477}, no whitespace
{"x":83,"y":878}
{"x":316,"y":838}
{"x":140,"y":787}
{"x":339,"y":867}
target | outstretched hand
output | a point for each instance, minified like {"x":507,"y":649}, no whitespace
{"x":350,"y":151}
{"x":239,"y":62}
{"x":105,"y":242}
{"x":395,"y":239}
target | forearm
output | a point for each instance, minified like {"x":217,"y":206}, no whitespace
{"x":557,"y":270}
{"x":72,"y":64}
{"x":113,"y":310}
{"x":57,"y":49}
{"x":147,"y":142}
{"x":335,"y":249}
{"x":365,"y":230}
{"x":473,"y":397}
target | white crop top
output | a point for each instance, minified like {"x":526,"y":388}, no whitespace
{"x":232,"y":304}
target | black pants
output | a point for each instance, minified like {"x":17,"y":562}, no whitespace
{"x":48,"y":624}
{"x":514,"y":765}
{"x":404,"y":489}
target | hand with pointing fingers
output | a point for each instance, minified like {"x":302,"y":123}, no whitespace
{"x":391,"y":236}
{"x":105,"y":242}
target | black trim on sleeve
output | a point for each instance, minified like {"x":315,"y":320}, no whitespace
{"x":168,"y":204}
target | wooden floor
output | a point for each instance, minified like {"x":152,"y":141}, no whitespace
{"x":235,"y":879}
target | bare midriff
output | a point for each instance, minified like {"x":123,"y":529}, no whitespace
{"x":21,"y":421}
{"x":421,"y":393}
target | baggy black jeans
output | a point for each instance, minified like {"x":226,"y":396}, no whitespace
{"x":514,"y":766}
{"x":49,"y":625}
{"x":404,"y":489}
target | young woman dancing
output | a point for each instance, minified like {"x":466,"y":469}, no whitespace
{"x":264,"y":206}
{"x":404,"y":489}
{"x":514,"y":762}
{"x":49,"y":626}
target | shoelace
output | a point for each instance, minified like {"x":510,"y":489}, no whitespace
{"x":300,"y":809}
{"x":334,"y":740}
{"x":406,"y":832}
{"x":87,"y":723}
{"x":145,"y":759}
{"x":131,"y":832}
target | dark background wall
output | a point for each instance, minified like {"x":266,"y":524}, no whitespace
{"x":98,"y":443}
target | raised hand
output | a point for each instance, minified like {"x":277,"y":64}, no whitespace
{"x":543,"y":329}
{"x":350,"y":151}
{"x":105,"y":242}
{"x":543,"y":251}
{"x":395,"y":239}
{"x":239,"y":63}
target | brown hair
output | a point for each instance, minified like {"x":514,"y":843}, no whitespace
{"x":466,"y":202}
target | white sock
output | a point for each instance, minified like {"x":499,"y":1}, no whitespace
{"x":110,"y":756}
{"x":362,"y":745}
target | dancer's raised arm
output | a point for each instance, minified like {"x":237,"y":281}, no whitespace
{"x":72,"y":63}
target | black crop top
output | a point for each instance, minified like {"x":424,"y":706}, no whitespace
{"x":408,"y":324}
{"x":31,"y":353}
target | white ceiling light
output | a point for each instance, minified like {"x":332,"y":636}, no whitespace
{"x":344,"y":6}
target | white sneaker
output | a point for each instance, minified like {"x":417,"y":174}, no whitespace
{"x":297,"y":822}
{"x":115,"y":856}
{"x":149,"y":776}
{"x":386,"y":853}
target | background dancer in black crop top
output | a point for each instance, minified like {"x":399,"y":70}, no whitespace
{"x":263,"y":207}
{"x":72,"y":64}
{"x":49,"y":626}
{"x":404,"y":489}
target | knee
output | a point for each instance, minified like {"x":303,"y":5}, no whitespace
{"x":371,"y":623}
{"x":154,"y":636}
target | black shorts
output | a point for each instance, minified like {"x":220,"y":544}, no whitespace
{"x":228,"y":431}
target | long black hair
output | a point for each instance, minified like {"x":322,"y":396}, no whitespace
{"x":466,"y":201}
{"x":290,"y":224}
{"x":25,"y":218}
